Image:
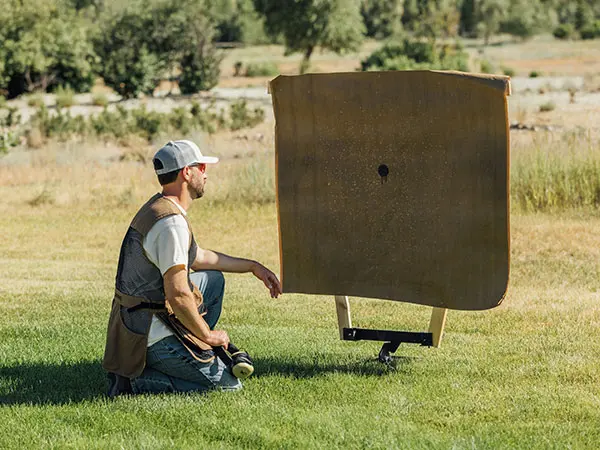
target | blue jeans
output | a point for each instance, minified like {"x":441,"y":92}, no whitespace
{"x":169,"y":365}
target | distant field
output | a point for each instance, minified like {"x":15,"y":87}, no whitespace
{"x":544,"y":54}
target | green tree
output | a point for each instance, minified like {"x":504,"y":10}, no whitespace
{"x":468,"y":18}
{"x":526,"y":18}
{"x":305,"y":24}
{"x":437,"y":19}
{"x":382,"y":18}
{"x":199,"y":64}
{"x":44,"y":44}
{"x":490,"y":15}
{"x":411,"y":14}
{"x":237,"y":21}
{"x":145,"y":42}
{"x":584,"y":15}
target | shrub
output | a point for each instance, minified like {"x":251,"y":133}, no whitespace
{"x":65,"y":97}
{"x":2,"y":101}
{"x":487,"y":67}
{"x":36,"y":100}
{"x":100,"y":99}
{"x":508,"y":71}
{"x":548,"y":106}
{"x":60,"y":125}
{"x":241,"y":116}
{"x":8,"y":139}
{"x":416,"y":55}
{"x":121,"y":123}
{"x":262,"y":69}
{"x":147,"y":123}
{"x":111,"y":123}
{"x":45,"y":197}
{"x":200,"y":72}
{"x":136,"y":53}
{"x":11,"y":118}
{"x":237,"y":69}
{"x":591,"y":31}
{"x":47,"y":45}
{"x":535,"y":74}
{"x":564,"y":31}
{"x":182,"y":120}
{"x":382,"y":18}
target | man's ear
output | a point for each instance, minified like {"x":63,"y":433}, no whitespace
{"x":186,"y":173}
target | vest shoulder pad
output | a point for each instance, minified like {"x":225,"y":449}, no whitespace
{"x":155,"y":209}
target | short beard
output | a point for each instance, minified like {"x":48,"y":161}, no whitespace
{"x":196,"y":193}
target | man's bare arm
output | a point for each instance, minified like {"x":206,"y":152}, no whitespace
{"x":211,"y":260}
{"x":181,"y":299}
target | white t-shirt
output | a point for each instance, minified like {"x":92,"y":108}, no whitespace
{"x":166,"y":245}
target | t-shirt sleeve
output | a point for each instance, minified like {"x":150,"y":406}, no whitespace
{"x":167,"y":243}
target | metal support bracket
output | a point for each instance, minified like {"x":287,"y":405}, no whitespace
{"x":392,"y":339}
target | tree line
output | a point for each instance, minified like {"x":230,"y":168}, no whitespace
{"x":45,"y":44}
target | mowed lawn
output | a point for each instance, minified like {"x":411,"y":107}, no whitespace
{"x":524,"y":375}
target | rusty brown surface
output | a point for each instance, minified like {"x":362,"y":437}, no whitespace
{"x":435,"y":231}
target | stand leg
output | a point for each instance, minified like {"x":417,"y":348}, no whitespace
{"x":342,"y":307}
{"x":436,"y":325}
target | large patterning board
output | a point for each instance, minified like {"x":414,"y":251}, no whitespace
{"x":394,"y":185}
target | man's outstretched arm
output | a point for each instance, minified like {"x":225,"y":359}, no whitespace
{"x":211,"y":260}
{"x":181,"y":299}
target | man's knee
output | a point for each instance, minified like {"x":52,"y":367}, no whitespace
{"x":217,"y":279}
{"x":209,"y":280}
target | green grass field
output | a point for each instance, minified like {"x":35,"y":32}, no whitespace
{"x":524,"y":375}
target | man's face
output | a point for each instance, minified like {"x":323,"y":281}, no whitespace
{"x":197,"y":181}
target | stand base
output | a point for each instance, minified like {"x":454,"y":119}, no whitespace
{"x":392,"y":339}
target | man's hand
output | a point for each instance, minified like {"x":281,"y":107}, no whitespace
{"x":218,"y":338}
{"x":267,"y":277}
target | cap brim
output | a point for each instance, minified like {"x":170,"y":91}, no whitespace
{"x":208,"y":160}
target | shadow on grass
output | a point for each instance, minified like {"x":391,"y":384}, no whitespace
{"x":58,"y":384}
{"x":309,"y":369}
{"x":51,"y":383}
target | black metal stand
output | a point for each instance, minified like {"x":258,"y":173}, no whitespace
{"x":392,"y":339}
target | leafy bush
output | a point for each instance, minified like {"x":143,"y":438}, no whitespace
{"x":535,"y":74}
{"x":65,"y":97}
{"x":237,"y":68}
{"x":382,"y":18}
{"x":11,"y":118}
{"x":242,"y":117}
{"x":548,"y":106}
{"x":8,"y":138}
{"x":564,"y":31}
{"x":262,"y":69}
{"x":237,"y":21}
{"x":508,"y":71}
{"x":411,"y":55}
{"x":136,"y":53}
{"x":36,"y":100}
{"x":47,"y":45}
{"x":59,"y":125}
{"x":199,"y":72}
{"x":100,"y":99}
{"x":487,"y":67}
{"x":591,"y":31}
{"x":122,"y":123}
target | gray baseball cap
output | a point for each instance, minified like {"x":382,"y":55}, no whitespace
{"x":175,"y":155}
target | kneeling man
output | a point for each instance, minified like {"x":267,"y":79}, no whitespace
{"x":169,"y":292}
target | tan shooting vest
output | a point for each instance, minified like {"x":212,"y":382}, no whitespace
{"x":139,"y":294}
